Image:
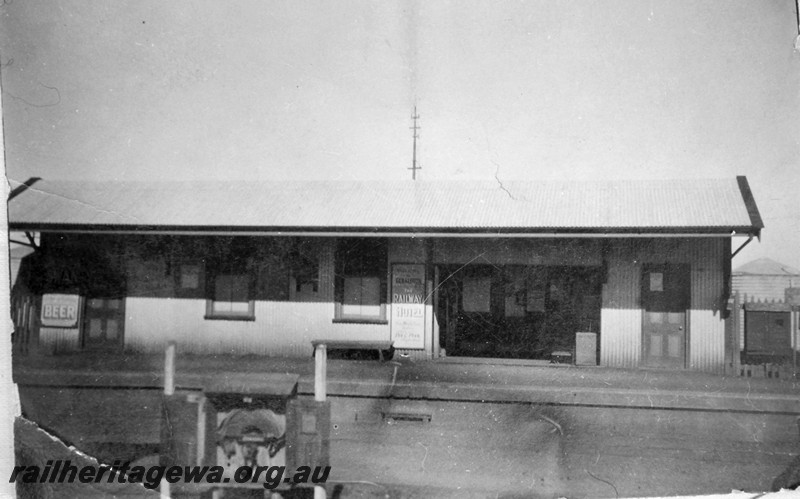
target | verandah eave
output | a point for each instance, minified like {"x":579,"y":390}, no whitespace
{"x":396,"y":234}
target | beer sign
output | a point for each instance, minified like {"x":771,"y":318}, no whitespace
{"x":408,"y":306}
{"x":60,"y":310}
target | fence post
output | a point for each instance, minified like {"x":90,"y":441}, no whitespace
{"x":737,"y":334}
{"x":793,"y":323}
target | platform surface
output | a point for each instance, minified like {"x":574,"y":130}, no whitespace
{"x":461,"y":379}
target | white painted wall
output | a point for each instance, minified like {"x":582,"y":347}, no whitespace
{"x":280,"y":328}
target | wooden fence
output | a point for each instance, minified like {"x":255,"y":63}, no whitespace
{"x":768,"y":370}
{"x":741,"y":364}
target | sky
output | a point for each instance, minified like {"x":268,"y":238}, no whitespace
{"x":550,"y":89}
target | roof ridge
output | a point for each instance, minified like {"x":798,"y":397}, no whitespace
{"x":765,"y":266}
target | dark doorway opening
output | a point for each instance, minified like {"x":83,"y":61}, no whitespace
{"x":516,"y":311}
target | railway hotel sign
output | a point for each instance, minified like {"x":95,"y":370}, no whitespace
{"x":408,"y":306}
{"x":60,"y":310}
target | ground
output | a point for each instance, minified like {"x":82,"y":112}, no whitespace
{"x":517,"y":450}
{"x":484,"y":430}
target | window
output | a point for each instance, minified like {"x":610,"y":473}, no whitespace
{"x":189,"y":276}
{"x":190,"y":280}
{"x":230,"y":283}
{"x":361,"y":268}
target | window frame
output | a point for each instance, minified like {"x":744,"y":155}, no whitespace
{"x":361,"y":269}
{"x":233,"y":261}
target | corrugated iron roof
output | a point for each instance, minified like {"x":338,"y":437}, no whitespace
{"x":766,"y":266}
{"x":383,"y":205}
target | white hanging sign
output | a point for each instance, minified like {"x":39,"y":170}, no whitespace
{"x":408,"y":306}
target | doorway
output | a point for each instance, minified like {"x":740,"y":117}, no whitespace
{"x":103,"y":323}
{"x":665,"y":299}
{"x":516,"y":311}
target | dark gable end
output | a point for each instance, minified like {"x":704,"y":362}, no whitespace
{"x":750,"y":203}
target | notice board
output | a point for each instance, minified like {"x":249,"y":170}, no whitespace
{"x":408,"y":306}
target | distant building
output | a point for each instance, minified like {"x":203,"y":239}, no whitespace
{"x":474,"y":269}
{"x":765,"y":279}
{"x":765,"y":325}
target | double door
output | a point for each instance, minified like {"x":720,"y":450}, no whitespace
{"x":103,"y":323}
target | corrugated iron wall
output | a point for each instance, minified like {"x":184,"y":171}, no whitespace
{"x":706,"y":324}
{"x":621,"y":333}
{"x":59,"y":340}
{"x":621,"y":315}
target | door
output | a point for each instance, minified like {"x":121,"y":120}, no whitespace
{"x":665,"y":299}
{"x":103,"y":323}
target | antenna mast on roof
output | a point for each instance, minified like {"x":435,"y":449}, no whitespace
{"x":797,"y":17}
{"x":415,"y":130}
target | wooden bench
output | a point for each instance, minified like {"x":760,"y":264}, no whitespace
{"x":380,"y":346}
{"x":561,"y":357}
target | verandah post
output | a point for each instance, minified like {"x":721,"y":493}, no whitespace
{"x":169,"y":389}
{"x":320,"y":393}
{"x":169,"y":369}
{"x":320,"y":374}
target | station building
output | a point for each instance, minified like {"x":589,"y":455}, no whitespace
{"x":440,"y":268}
